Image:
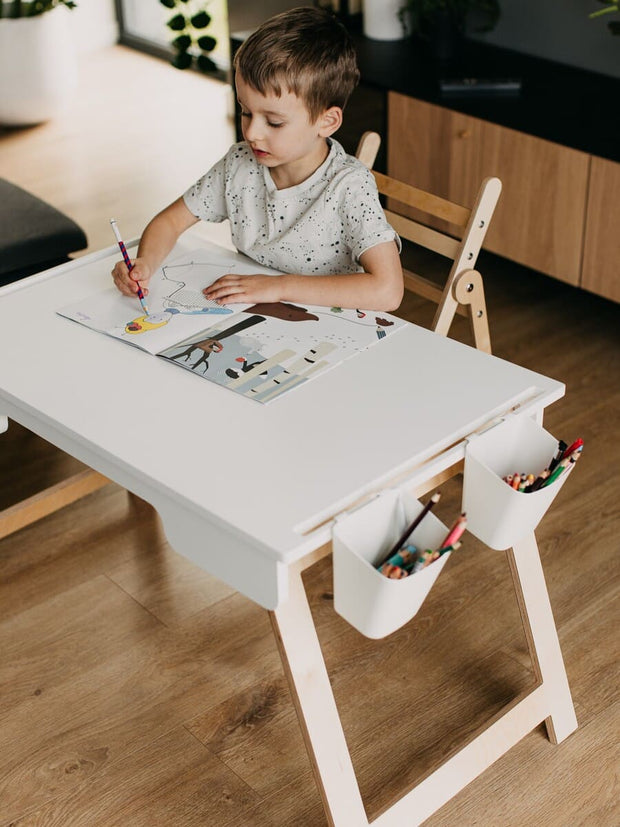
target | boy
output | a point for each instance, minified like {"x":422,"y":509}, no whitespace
{"x":296,"y":202}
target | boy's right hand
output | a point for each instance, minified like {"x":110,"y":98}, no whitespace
{"x":127,"y":282}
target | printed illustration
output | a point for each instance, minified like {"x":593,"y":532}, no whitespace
{"x":271,"y":348}
{"x":260,"y":351}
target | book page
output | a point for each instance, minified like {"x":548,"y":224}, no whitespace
{"x":176,"y":306}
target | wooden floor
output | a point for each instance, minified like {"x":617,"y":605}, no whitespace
{"x":137,"y":690}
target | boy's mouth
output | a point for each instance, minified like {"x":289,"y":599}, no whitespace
{"x":259,"y":153}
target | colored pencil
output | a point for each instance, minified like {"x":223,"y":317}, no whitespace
{"x":456,"y":531}
{"x":127,"y":261}
{"x":410,"y":528}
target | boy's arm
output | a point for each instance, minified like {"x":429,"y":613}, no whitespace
{"x":159,"y":237}
{"x":379,"y":287}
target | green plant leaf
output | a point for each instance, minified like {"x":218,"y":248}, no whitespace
{"x":201,"y":20}
{"x":182,"y":42}
{"x":207,"y":43}
{"x":15,"y":9}
{"x":176,"y":23}
{"x":182,"y":61}
{"x":205,"y":64}
{"x":169,"y":4}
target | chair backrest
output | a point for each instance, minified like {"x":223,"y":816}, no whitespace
{"x":367,"y":148}
{"x":461,"y":243}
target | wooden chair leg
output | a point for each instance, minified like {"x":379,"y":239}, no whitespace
{"x":469,"y":291}
{"x":50,"y":500}
{"x":466,"y":290}
{"x":446,"y":311}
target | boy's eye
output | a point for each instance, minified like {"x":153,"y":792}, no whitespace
{"x":272,"y":124}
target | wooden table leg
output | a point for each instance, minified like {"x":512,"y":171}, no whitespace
{"x":550,"y":701}
{"x":542,"y":636}
{"x":305,"y":669}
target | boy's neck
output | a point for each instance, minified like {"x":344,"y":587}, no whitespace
{"x":290,"y":175}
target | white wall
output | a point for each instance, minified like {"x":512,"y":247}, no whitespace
{"x":94,"y":24}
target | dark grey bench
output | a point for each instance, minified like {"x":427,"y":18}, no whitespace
{"x":33,"y":234}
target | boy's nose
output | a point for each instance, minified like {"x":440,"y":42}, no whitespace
{"x":251,"y":130}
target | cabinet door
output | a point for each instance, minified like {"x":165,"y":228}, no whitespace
{"x":601,"y":259}
{"x":540,"y":216}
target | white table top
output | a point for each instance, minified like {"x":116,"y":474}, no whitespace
{"x":261,"y":474}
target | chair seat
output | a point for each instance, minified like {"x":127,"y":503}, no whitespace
{"x":33,"y":234}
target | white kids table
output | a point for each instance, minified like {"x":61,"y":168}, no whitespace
{"x":249,"y":492}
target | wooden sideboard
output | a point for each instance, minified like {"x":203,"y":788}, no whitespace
{"x":555,"y":146}
{"x":540,"y":218}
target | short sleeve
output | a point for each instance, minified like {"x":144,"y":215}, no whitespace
{"x":362,"y":216}
{"x":206,"y":199}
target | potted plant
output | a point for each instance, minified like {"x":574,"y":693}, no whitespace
{"x":190,"y":41}
{"x":38,"y":64}
{"x":611,"y":6}
{"x":443,"y":22}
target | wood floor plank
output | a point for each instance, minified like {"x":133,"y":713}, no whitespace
{"x":174,"y":780}
{"x":255,"y":728}
{"x":125,"y":701}
{"x":425,"y":727}
{"x":296,"y":805}
{"x":169,"y":586}
{"x":53,"y":642}
{"x":530,"y":784}
{"x":77,"y":543}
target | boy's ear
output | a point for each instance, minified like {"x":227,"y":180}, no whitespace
{"x":330,"y":121}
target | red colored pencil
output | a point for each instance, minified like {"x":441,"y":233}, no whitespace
{"x":456,"y":531}
{"x":578,"y":443}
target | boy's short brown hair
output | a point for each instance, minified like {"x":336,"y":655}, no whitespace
{"x":305,"y":50}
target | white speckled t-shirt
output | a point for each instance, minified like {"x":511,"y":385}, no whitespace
{"x":319,"y":227}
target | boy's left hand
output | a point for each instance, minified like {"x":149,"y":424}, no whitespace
{"x":235,"y":287}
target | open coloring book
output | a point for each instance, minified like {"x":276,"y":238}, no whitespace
{"x":260,"y":351}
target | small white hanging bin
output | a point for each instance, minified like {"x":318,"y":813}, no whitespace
{"x":496,"y":513}
{"x":375,"y":605}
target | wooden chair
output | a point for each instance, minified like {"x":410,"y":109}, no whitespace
{"x":463,"y":291}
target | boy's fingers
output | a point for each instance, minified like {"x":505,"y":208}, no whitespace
{"x":125,"y":285}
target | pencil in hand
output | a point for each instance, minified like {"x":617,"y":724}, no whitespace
{"x":127,"y":261}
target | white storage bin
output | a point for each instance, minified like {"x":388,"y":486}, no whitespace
{"x":496,"y":513}
{"x":375,"y":605}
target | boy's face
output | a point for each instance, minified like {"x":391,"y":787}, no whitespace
{"x":281,"y":134}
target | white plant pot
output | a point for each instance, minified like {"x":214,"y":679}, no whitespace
{"x":381,"y":21}
{"x":38,"y":67}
